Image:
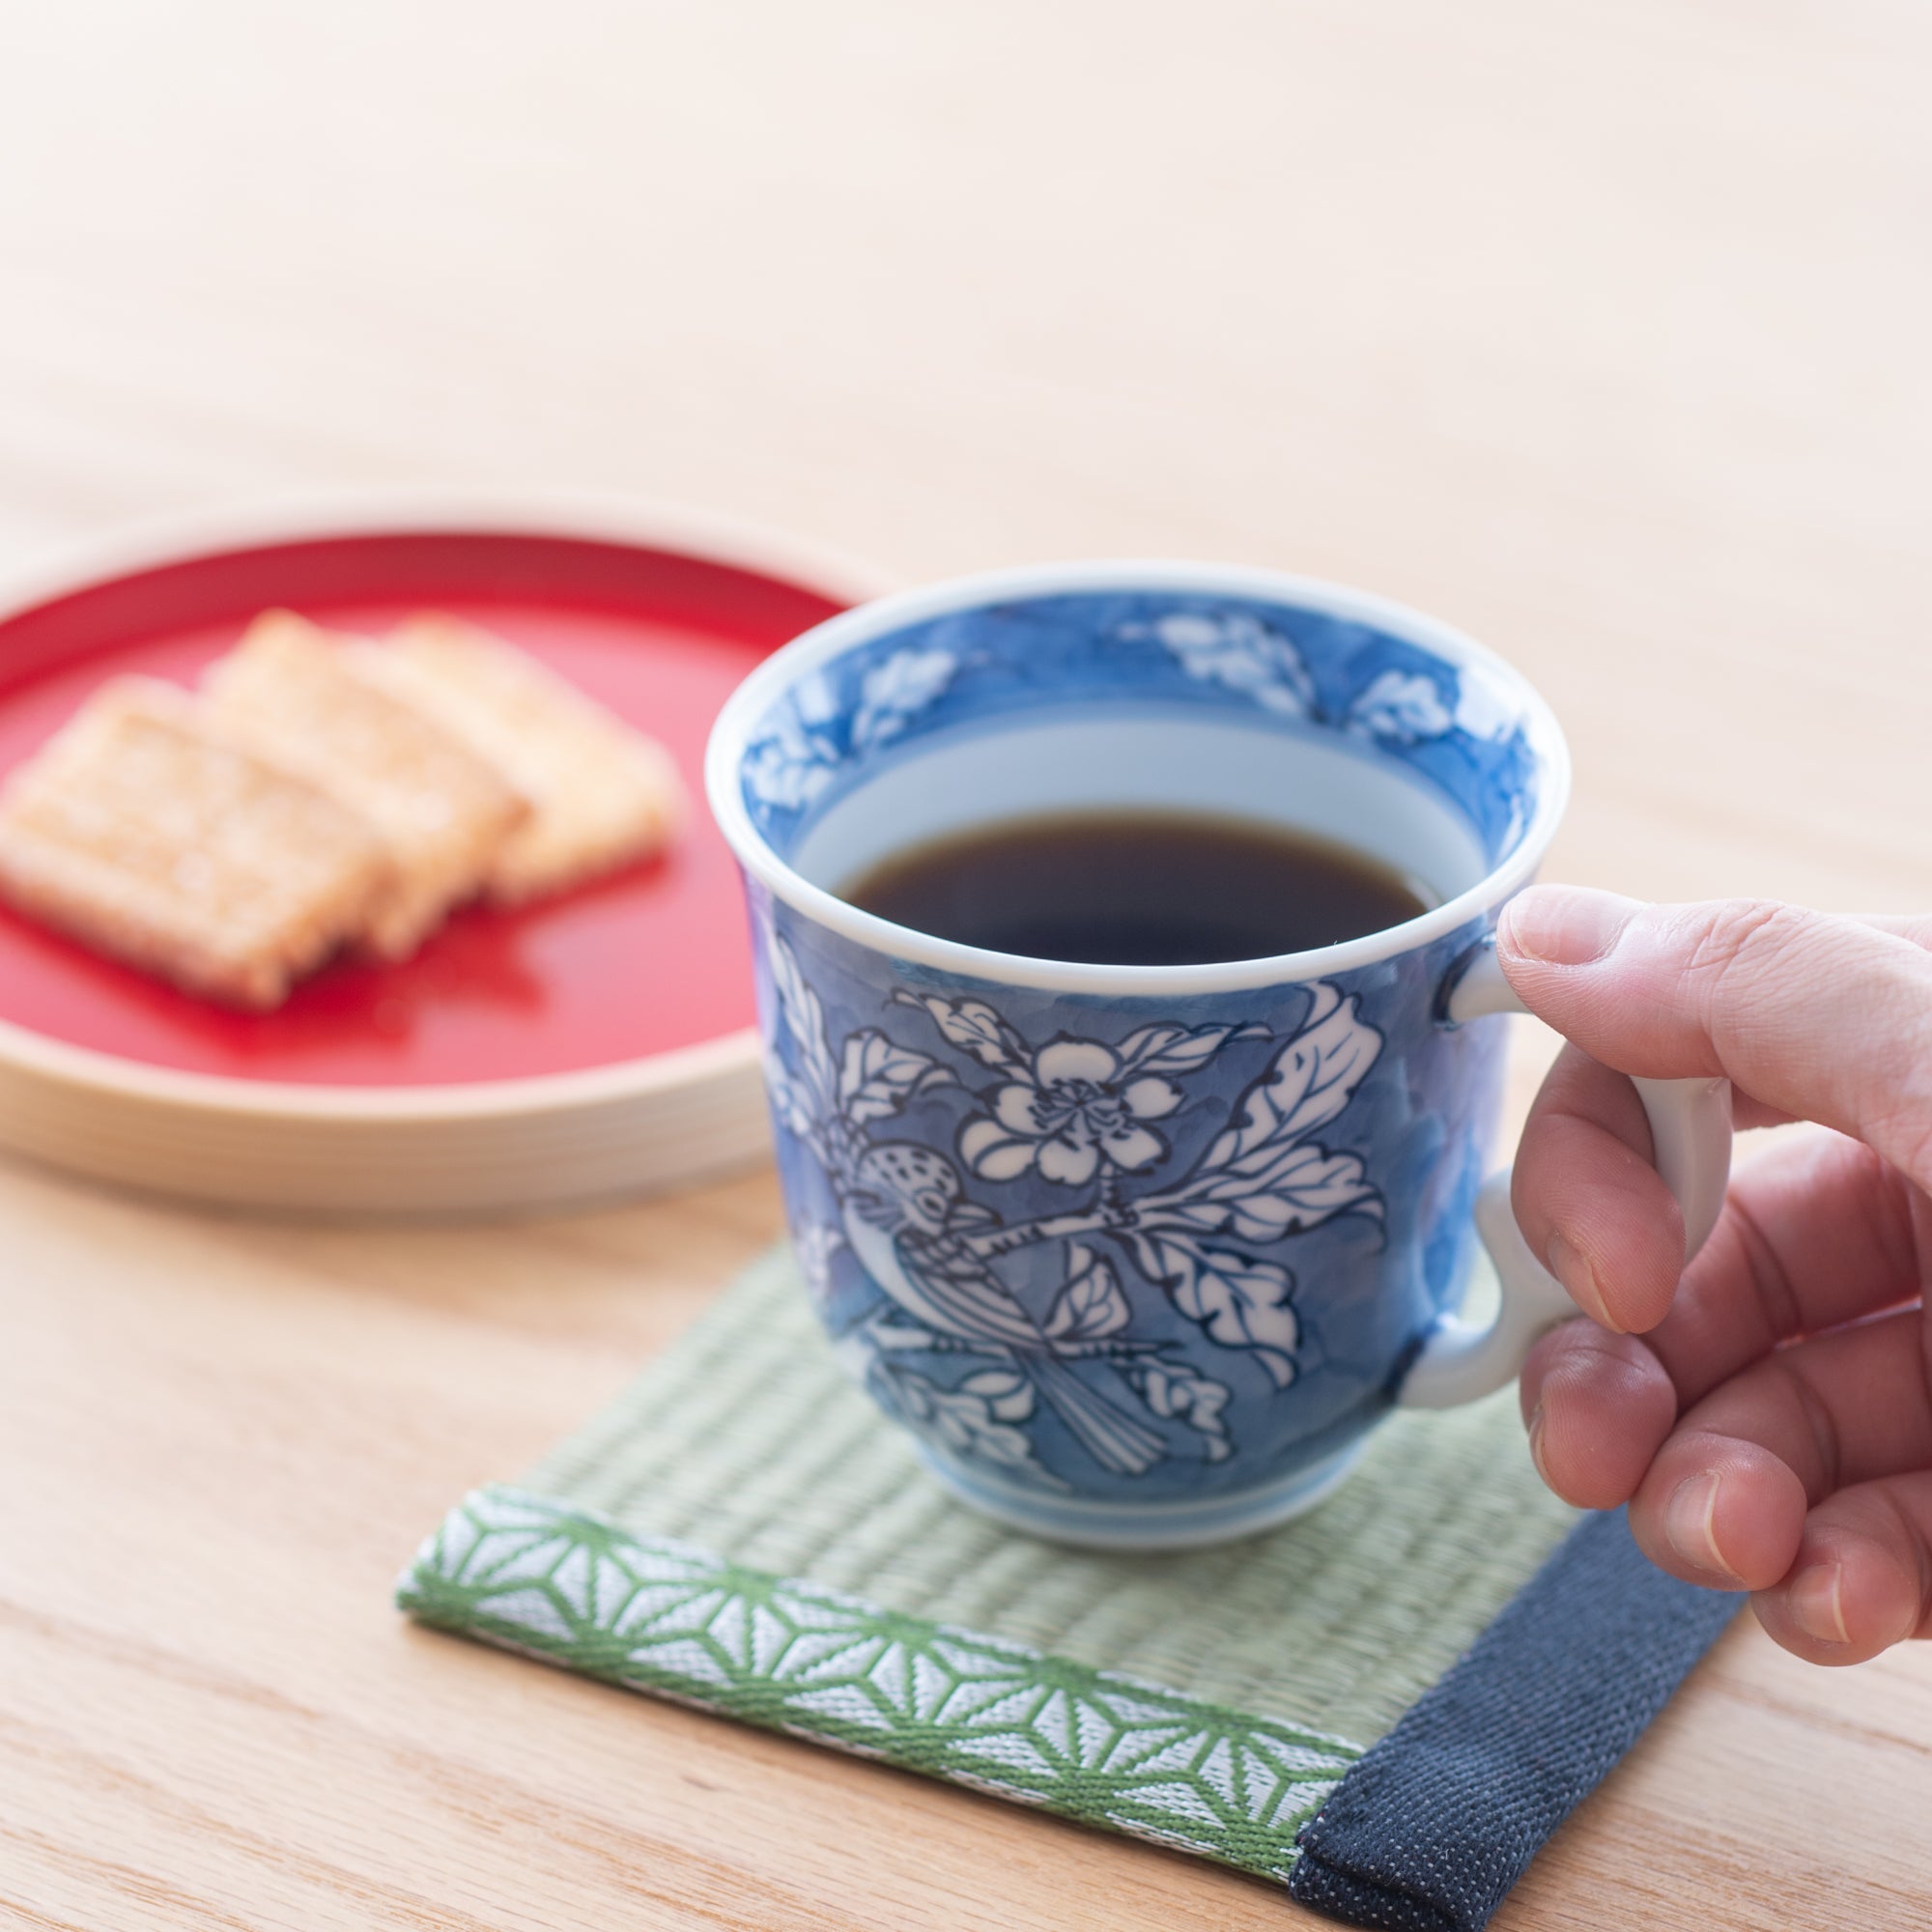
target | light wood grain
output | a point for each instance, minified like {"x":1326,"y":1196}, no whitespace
{"x":1597,"y":329}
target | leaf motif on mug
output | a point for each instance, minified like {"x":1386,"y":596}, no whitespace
{"x":1300,"y":1187}
{"x":1101,"y":1121}
{"x":1176,"y":1390}
{"x":804,"y":1021}
{"x":1179,"y":1049}
{"x":972,"y":1026}
{"x":877,"y":1078}
{"x":1091,"y":1304}
{"x":1313,"y":1079}
{"x":1242,"y":1303}
{"x":979,"y":1420}
{"x":1006,"y":1394}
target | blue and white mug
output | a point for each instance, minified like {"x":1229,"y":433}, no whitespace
{"x":1140,"y":1254}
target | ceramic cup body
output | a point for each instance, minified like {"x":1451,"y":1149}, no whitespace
{"x":1138,"y":1255}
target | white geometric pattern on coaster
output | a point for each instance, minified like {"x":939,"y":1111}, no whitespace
{"x":663,"y":1616}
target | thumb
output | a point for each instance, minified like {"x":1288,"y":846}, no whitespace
{"x":1816,"y":1016}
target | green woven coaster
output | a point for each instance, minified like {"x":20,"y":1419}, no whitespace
{"x":742,"y":1530}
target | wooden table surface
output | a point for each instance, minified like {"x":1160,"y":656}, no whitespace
{"x":1600,"y":329}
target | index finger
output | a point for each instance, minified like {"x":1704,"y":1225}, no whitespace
{"x":1824,"y":1017}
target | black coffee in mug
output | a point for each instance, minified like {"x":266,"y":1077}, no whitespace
{"x":1138,"y":889}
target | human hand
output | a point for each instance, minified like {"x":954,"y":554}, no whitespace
{"x":1766,"y":1410}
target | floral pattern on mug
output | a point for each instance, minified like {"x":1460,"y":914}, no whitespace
{"x":1454,"y":725}
{"x":1138,"y":1256}
{"x":1073,"y":1106}
{"x":808,"y":742}
{"x":1075,"y":1111}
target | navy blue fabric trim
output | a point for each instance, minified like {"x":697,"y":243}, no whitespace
{"x":1435,"y":1825}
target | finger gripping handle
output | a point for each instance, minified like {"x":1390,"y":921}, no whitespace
{"x":1691,"y":1138}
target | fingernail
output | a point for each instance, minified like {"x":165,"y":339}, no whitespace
{"x":1816,"y":1601}
{"x":1536,"y":1446}
{"x":1565,"y":926}
{"x":1689,"y":1524}
{"x":1571,"y":1268}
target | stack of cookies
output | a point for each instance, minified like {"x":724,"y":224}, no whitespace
{"x":320,"y":792}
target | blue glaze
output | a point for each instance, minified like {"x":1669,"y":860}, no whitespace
{"x":1111,"y":1253}
{"x":1460,"y":726}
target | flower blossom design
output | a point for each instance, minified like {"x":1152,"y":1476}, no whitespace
{"x":1401,"y":708}
{"x":1237,"y":649}
{"x":978,"y":1419}
{"x":804,"y":744}
{"x":1396,"y":709}
{"x":1069,"y":1110}
{"x":1075,"y":1112}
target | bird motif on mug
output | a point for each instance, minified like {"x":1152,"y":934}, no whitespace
{"x":904,"y":1219}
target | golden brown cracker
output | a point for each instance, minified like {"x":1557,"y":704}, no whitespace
{"x":144,"y":830}
{"x":603,"y":795}
{"x":443,"y":811}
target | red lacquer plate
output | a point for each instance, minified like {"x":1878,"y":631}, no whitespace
{"x":587,"y":1048}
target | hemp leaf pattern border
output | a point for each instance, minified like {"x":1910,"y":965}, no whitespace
{"x":655,"y":1614}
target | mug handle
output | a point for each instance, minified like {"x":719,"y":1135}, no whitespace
{"x":1690,"y":1134}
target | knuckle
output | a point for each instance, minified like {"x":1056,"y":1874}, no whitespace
{"x":1821,"y":1426}
{"x":1769,"y":1280}
{"x":1576,"y":1356}
{"x":1753,"y":974}
{"x":1738,"y":940}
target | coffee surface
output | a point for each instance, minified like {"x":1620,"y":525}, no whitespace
{"x":1137,"y":889}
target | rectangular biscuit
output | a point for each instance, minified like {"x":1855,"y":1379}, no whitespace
{"x":442,"y":810}
{"x":603,"y":794}
{"x":143,"y":831}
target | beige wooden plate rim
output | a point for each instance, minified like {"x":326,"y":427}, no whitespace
{"x":590,"y":516}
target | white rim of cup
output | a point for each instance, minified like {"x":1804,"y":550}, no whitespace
{"x":817,"y":648}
